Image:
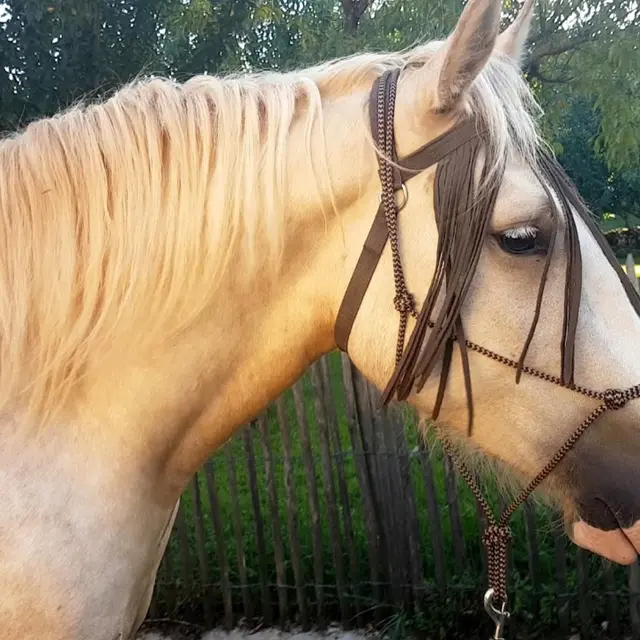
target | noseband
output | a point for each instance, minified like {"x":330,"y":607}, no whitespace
{"x":436,"y":331}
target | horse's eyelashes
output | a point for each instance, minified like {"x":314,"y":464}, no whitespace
{"x":522,"y":232}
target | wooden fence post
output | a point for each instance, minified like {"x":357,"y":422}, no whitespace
{"x":433,"y":512}
{"x":365,"y":423}
{"x":631,"y":272}
{"x":634,"y":597}
{"x":170,"y":594}
{"x":612,"y":601}
{"x":360,"y":455}
{"x":185,"y":547}
{"x":335,"y":537}
{"x":292,"y":513}
{"x":203,"y":563}
{"x":533,"y":553}
{"x":276,"y":531}
{"x":314,"y":500}
{"x":336,"y":444}
{"x":247,"y":604}
{"x":221,"y":549}
{"x":384,"y":484}
{"x":584,"y":608}
{"x":454,"y":513}
{"x":416,"y":563}
{"x":257,"y":512}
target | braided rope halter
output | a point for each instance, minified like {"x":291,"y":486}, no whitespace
{"x":462,"y":142}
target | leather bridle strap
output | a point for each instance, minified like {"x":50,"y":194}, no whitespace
{"x":374,"y":245}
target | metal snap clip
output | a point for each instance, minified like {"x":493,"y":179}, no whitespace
{"x":499,"y":616}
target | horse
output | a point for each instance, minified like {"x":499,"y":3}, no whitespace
{"x":175,"y":256}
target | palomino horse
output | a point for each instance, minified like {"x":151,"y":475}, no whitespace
{"x":175,"y":258}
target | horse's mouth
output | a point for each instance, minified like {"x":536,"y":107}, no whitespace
{"x":620,"y":545}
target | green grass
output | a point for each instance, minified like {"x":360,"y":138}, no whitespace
{"x":611,"y":222}
{"x":623,"y":264}
{"x":637,"y":268}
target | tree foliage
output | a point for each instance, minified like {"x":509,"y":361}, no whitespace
{"x":583,"y":60}
{"x":591,"y":49}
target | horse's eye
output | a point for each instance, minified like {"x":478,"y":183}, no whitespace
{"x":520,"y":241}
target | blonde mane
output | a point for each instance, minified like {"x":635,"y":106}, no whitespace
{"x":125,"y":215}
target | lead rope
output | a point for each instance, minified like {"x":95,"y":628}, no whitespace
{"x":498,"y":536}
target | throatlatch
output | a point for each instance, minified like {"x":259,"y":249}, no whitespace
{"x":438,"y":330}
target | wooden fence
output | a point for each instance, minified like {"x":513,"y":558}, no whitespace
{"x":328,"y":508}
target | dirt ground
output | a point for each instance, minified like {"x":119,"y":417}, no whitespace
{"x":175,"y":631}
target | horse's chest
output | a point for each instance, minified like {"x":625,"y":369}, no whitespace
{"x":79,"y":545}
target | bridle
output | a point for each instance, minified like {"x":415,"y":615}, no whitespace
{"x":455,"y":153}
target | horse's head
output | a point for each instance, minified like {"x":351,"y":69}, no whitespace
{"x":532,"y":285}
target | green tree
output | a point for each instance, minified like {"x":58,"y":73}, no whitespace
{"x":590,"y":49}
{"x":206,"y":35}
{"x":583,"y":60}
{"x":607,"y":191}
{"x":54,"y":52}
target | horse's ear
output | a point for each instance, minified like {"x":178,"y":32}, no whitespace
{"x":512,"y":40}
{"x":466,"y":51}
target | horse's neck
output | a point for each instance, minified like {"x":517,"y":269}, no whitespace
{"x":173,"y":402}
{"x":265,"y":330}
{"x":263,"y":340}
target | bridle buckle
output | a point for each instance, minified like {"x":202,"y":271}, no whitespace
{"x":405,"y":196}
